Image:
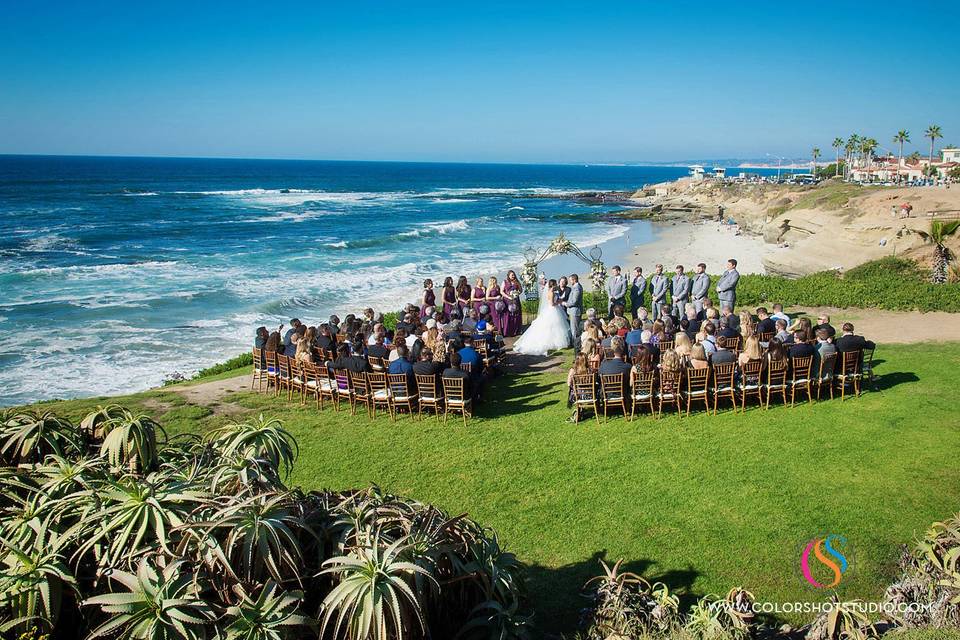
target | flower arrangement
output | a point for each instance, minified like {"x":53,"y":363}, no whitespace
{"x":561,"y":245}
{"x":529,"y":275}
{"x":598,"y":274}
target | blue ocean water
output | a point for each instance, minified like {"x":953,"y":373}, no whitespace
{"x":115,"y":272}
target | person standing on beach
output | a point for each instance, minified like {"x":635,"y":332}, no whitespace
{"x":658,"y":292}
{"x":574,"y":306}
{"x":727,"y":286}
{"x":700,"y":287}
{"x":680,"y":287}
{"x":616,"y":290}
{"x":638,"y":287}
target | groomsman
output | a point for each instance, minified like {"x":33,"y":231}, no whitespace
{"x":658,"y":292}
{"x":616,"y":290}
{"x":574,"y":306}
{"x":681,"y":291}
{"x":727,"y":286}
{"x":638,"y":286}
{"x":700,"y":287}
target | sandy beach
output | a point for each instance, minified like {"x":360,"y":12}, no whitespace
{"x":689,"y":243}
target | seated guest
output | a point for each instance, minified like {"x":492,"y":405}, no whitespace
{"x":824,"y":348}
{"x":470,"y":356}
{"x":607,"y":342}
{"x":823,"y":322}
{"x":399,"y":338}
{"x":726,"y":330}
{"x":428,"y":365}
{"x":351,"y":362}
{"x":274,"y":343}
{"x":642,"y":315}
{"x":657,"y":334}
{"x":682,"y":345}
{"x":693,"y":322}
{"x":454,"y":371}
{"x":643,"y":361}
{"x":698,"y":357}
{"x":778,"y":314}
{"x":751,"y":351}
{"x":405,"y":323}
{"x":288,"y":336}
{"x":776,"y":351}
{"x":647,"y":339}
{"x":722,"y":354}
{"x":850,"y":342}
{"x":670,"y":364}
{"x":801,"y":347}
{"x":589,"y":347}
{"x":260,"y":341}
{"x":378,"y":349}
{"x":451,"y":330}
{"x":709,"y":341}
{"x":633,"y":336}
{"x":781,"y":330}
{"x":747,"y":327}
{"x":325,"y":340}
{"x":765,"y":324}
{"x":669,"y":328}
{"x":403,"y":365}
{"x":334,"y":324}
{"x":617,"y":365}
{"x":469,"y":323}
{"x":707,"y":306}
{"x":732,"y":320}
{"x":304,"y":352}
{"x":579,"y":368}
{"x":378,"y":331}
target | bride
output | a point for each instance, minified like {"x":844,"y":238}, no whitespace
{"x":550,"y":329}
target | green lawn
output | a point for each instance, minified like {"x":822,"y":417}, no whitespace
{"x":703,"y":503}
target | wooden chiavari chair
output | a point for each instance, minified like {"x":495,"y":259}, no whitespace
{"x":611,"y":386}
{"x":585,"y":395}
{"x":696,"y":387}
{"x":455,"y":399}
{"x":379,"y":390}
{"x":311,"y":382}
{"x":466,"y":367}
{"x":297,"y":381}
{"x":825,"y":373}
{"x":801,"y":378}
{"x":735,"y":344}
{"x":283,"y":375}
{"x":776,"y":380}
{"x":669,"y":391}
{"x":377,"y":364}
{"x":428,"y":390}
{"x":401,"y":395}
{"x":259,"y":370}
{"x":850,"y":372}
{"x":343,"y":390}
{"x":273,"y":369}
{"x":765,"y":337}
{"x":723,"y":384}
{"x":641,"y":391}
{"x":361,"y":392}
{"x":750,"y":383}
{"x":866,"y":365}
{"x":666,"y":345}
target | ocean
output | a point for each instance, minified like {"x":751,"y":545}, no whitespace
{"x":117,"y":272}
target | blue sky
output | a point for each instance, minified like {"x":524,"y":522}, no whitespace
{"x":491,"y":81}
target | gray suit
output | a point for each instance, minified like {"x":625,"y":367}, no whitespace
{"x":681,"y":293}
{"x":616,"y":292}
{"x":638,"y":286}
{"x":658,"y":296}
{"x":727,"y":288}
{"x":700,"y":290}
{"x":574,"y":305}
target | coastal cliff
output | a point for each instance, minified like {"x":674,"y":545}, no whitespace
{"x":807,"y":229}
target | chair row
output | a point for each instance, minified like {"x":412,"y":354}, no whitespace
{"x":372,"y":390}
{"x":759,"y":379}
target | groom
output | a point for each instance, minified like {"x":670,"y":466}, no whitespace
{"x":574,"y":306}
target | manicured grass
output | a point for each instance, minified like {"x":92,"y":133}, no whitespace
{"x":702,"y":503}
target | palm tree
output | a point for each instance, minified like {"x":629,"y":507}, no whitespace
{"x":837,"y":143}
{"x":932,"y":132}
{"x":902,"y":136}
{"x":868,"y":145}
{"x":853,"y":144}
{"x":816,"y":154}
{"x":938,"y":234}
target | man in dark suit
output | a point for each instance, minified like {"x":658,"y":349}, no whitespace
{"x":617,"y":365}
{"x":325,"y":340}
{"x":765,"y":324}
{"x":722,"y":355}
{"x":378,"y":349}
{"x":850,"y":342}
{"x":356,"y":363}
{"x":823,"y":322}
{"x":726,"y":330}
{"x":403,"y":365}
{"x":454,"y":371}
{"x":800,"y":347}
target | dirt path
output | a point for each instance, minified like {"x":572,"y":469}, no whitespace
{"x":883,"y":327}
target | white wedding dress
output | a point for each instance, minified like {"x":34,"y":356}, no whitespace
{"x":550,"y":329}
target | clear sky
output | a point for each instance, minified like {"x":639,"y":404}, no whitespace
{"x":485,"y":81}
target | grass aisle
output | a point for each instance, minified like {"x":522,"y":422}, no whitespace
{"x":703,"y":503}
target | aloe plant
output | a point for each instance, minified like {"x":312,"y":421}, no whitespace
{"x":712,"y":618}
{"x":131,"y":440}
{"x":34,"y":578}
{"x":265,"y":439}
{"x":156,"y":604}
{"x":29,"y":437}
{"x":95,"y":424}
{"x":372,"y":597}
{"x":844,"y":621}
{"x":273,"y":615}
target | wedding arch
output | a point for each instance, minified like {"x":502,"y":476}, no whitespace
{"x":560,"y":246}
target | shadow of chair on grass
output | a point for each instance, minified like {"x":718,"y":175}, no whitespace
{"x":885,"y":381}
{"x":559,"y":596}
{"x":512,"y":394}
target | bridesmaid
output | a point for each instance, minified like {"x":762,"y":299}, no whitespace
{"x":463,"y":295}
{"x":428,"y":300}
{"x":511,"y":297}
{"x":494,"y":299}
{"x":449,"y":297}
{"x":479,"y":297}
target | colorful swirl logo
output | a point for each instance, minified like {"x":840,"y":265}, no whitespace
{"x":829,"y":551}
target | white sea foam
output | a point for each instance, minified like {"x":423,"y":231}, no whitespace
{"x":452,"y":200}
{"x":336,"y":245}
{"x":515,"y":209}
{"x":497,"y":191}
{"x":287,"y":197}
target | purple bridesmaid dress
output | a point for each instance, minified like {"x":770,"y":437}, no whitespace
{"x":449,"y":301}
{"x":494,"y":292}
{"x":511,"y":320}
{"x":429,"y":300}
{"x":479,"y":292}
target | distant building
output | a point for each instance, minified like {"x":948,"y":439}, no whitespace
{"x":950,"y":155}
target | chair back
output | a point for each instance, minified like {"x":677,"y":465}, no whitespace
{"x":828,"y":365}
{"x":850,"y":365}
{"x":612,"y":386}
{"x":607,"y":353}
{"x":283,"y":366}
{"x":642,"y":382}
{"x":376,"y":363}
{"x":360,"y":383}
{"x":670,"y":382}
{"x":270,"y":358}
{"x":666,"y":345}
{"x":258,"y":362}
{"x":427,"y":386}
{"x":777,"y":372}
{"x":342,"y":379}
{"x":697,"y":379}
{"x":751,"y":372}
{"x":801,"y":368}
{"x":735,"y":344}
{"x":723,"y":375}
{"x":765,"y":336}
{"x":397,"y":383}
{"x":309,"y":373}
{"x":465,"y":366}
{"x":453,"y":389}
{"x":593,"y":365}
{"x":584,"y":387}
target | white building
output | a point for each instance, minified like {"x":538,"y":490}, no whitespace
{"x":950,"y":155}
